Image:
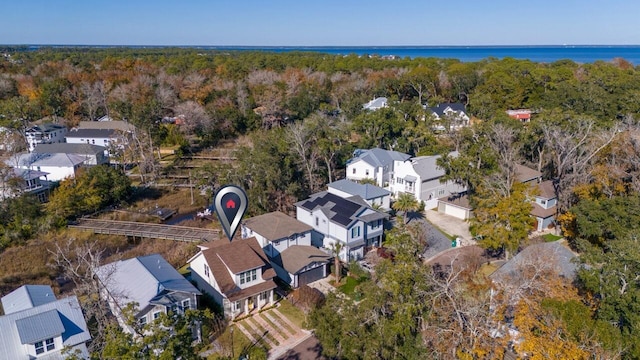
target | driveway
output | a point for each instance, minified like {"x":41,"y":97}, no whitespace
{"x":449,"y":224}
{"x":437,"y":242}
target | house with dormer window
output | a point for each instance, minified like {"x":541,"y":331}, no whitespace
{"x":544,"y":205}
{"x":376,"y":164}
{"x":237,"y":274}
{"x":287,"y":243}
{"x":150,"y":283}
{"x":36,"y":325}
{"x":348,"y":221}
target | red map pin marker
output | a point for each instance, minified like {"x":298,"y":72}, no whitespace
{"x":230,"y":203}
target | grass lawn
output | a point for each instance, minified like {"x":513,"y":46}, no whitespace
{"x":551,"y":237}
{"x":292,"y":313}
{"x":240,"y":343}
{"x":488,"y":269}
{"x":349,"y":287}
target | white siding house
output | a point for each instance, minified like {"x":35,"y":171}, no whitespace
{"x":36,"y":325}
{"x":57,"y":166}
{"x":47,"y":133}
{"x":376,"y":164}
{"x":420,"y":176}
{"x":374,"y":196}
{"x":350,"y":222}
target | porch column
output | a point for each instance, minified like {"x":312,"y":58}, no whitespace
{"x":271,"y":297}
{"x":246,"y":305}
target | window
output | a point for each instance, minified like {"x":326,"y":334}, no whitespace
{"x":206,"y":270}
{"x":248,"y":276}
{"x":39,"y":347}
{"x":366,"y":172}
{"x":317,"y":221}
{"x":142,"y":320}
{"x":93,"y":141}
{"x":543,"y":202}
{"x":354,"y":170}
{"x":263,"y":295}
{"x":156,"y":315}
{"x":398,"y":180}
{"x":355,"y":231}
{"x":375,"y":224}
{"x":186,"y":304}
{"x":50,"y":344}
{"x":237,"y":305}
{"x":440,"y":192}
{"x":42,"y":346}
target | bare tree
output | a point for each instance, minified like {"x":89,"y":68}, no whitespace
{"x":303,"y":146}
{"x":503,"y":142}
{"x":79,"y":264}
{"x":572,"y":155}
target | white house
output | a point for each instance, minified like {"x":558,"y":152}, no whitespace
{"x":101,"y":137}
{"x":373,"y":195}
{"x":420,"y":176}
{"x":350,"y":222}
{"x":151,"y":282}
{"x":57,"y":166}
{"x":36,"y":325}
{"x":544,"y":205}
{"x":287,"y":243}
{"x":451,"y":116}
{"x":376,"y":164}
{"x":93,"y":154}
{"x":375,"y":104}
{"x":47,"y":133}
{"x":22,"y":181}
{"x":236,"y":274}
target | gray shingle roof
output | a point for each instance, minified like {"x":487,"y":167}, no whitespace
{"x":30,"y":325}
{"x":378,"y":157}
{"x":143,"y":279}
{"x":26,"y":297}
{"x":276,"y":225}
{"x":554,"y":254}
{"x":375,"y":104}
{"x":91,"y":133}
{"x":427,"y":167}
{"x":66,"y":148}
{"x":365,"y":191}
{"x":109,"y":124}
{"x":297,"y":257}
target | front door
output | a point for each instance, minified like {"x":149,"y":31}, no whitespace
{"x":251,"y":304}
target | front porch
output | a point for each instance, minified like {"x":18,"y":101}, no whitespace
{"x":252,"y":304}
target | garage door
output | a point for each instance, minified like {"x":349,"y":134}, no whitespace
{"x":455,"y":211}
{"x":311,"y":276}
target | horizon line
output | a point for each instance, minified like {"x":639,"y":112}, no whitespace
{"x":322,"y":46}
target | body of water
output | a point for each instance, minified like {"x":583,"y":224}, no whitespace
{"x":580,"y":54}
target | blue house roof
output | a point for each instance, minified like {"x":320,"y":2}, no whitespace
{"x":26,"y":297}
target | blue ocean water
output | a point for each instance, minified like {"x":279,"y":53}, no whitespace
{"x":577,"y":53}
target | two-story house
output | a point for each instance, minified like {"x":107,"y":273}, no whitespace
{"x":151,"y":283}
{"x":46,"y":133}
{"x":236,"y":274}
{"x":449,"y":116}
{"x":420,"y":176}
{"x":23,"y":181}
{"x":58,"y":166}
{"x":287,"y":243}
{"x":93,"y":154}
{"x":375,"y":196}
{"x":36,"y":325}
{"x":544,"y":205}
{"x":376,"y":164}
{"x":350,"y":222}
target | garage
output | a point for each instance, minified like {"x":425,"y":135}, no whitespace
{"x":311,"y":275}
{"x":456,"y":206}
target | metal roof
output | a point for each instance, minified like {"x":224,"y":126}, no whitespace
{"x":365,"y":191}
{"x":427,"y":166}
{"x":39,"y":327}
{"x":26,"y":297}
{"x":142,"y":279}
{"x":30,"y":325}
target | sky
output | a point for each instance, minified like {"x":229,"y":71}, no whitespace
{"x":320,"y":22}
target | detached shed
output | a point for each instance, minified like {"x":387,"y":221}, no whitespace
{"x":456,"y":206}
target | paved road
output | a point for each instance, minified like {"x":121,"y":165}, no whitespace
{"x":309,"y":349}
{"x":437,"y":242}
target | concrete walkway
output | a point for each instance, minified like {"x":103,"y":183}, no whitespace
{"x":273,"y":329}
{"x":449,"y":224}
